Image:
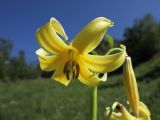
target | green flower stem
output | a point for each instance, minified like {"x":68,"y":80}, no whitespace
{"x":93,"y":103}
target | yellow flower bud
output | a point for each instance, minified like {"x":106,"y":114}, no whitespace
{"x":130,"y":85}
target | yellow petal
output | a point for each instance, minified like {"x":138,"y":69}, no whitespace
{"x":106,"y":63}
{"x":91,"y":35}
{"x":104,"y":77}
{"x":58,"y":28}
{"x":110,"y":114}
{"x":144,"y":113}
{"x":130,"y":85}
{"x":47,"y":63}
{"x":59,"y":75}
{"x":122,"y":113}
{"x":126,"y":115}
{"x":48,"y":38}
{"x":87,"y":77}
{"x":114,"y":116}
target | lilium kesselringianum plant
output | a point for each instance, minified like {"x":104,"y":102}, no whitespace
{"x":73,"y":61}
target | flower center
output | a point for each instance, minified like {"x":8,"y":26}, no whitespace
{"x":71,"y":68}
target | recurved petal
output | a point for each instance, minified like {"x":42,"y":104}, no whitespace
{"x":87,"y":77}
{"x":47,"y":63}
{"x":121,"y":114}
{"x":59,"y":75}
{"x":104,"y":77}
{"x":58,"y":28}
{"x":91,"y":35}
{"x":106,"y":63}
{"x":110,"y":114}
{"x":48,"y":38}
{"x":114,"y":115}
{"x":126,"y":115}
{"x":144,"y":113}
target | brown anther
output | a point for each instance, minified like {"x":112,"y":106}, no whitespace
{"x":74,"y":69}
{"x":71,"y":69}
{"x":73,"y":63}
{"x":77,"y":70}
{"x":73,"y":74}
{"x":65,"y":67}
{"x":67,"y":75}
{"x":119,"y":107}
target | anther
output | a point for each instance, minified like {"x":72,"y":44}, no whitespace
{"x":65,"y":67}
{"x":67,"y":75}
{"x":77,"y":70}
{"x":119,"y":107}
{"x":71,"y":69}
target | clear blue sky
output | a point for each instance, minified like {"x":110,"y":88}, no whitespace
{"x":20,"y":18}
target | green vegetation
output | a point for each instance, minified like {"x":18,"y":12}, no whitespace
{"x":143,"y":39}
{"x":15,"y":67}
{"x":48,"y":100}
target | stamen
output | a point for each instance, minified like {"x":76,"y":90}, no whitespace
{"x":119,"y":107}
{"x":77,"y":70}
{"x":71,"y":68}
{"x":65,"y":67}
{"x":67,"y":75}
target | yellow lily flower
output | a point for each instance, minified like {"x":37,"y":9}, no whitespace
{"x":73,"y":61}
{"x":123,"y":114}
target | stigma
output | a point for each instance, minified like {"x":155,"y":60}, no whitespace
{"x":71,"y":67}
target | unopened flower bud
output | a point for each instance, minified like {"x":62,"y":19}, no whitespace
{"x":130,"y":85}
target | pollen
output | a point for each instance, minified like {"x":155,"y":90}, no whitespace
{"x":71,"y":67}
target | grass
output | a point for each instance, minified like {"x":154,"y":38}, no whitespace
{"x":48,"y":100}
{"x":41,"y":100}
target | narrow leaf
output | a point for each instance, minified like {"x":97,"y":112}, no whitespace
{"x":110,"y":40}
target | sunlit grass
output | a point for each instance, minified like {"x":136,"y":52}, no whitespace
{"x":48,"y":100}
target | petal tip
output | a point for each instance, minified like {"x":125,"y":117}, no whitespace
{"x":123,"y":47}
{"x":108,"y":21}
{"x":53,"y":19}
{"x":37,"y":30}
{"x":62,"y":81}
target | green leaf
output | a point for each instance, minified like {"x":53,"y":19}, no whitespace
{"x":94,"y":52}
{"x":110,"y":40}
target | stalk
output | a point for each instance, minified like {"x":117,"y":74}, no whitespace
{"x":93,"y":103}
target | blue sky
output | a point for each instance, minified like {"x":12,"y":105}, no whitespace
{"x":20,"y":18}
